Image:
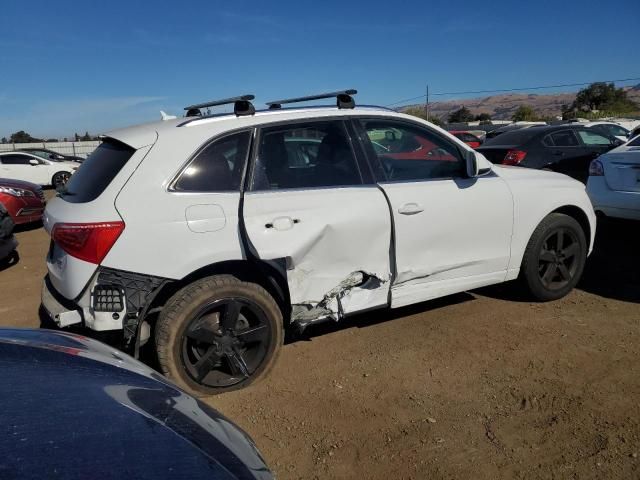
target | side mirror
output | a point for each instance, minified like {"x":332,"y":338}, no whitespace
{"x":474,"y":169}
{"x":34,"y":162}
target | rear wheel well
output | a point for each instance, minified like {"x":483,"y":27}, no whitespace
{"x":579,"y":216}
{"x":261,"y":273}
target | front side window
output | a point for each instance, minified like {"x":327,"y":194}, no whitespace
{"x":593,"y":138}
{"x":413,"y":153}
{"x":218,"y":167}
{"x":16,"y":159}
{"x":619,"y":131}
{"x":308,"y":155}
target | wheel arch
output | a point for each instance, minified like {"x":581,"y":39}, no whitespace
{"x":580,"y":216}
{"x":266,"y":274}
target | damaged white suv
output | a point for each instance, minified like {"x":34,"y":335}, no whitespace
{"x":214,"y":233}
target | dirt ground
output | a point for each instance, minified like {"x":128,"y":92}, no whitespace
{"x":477,"y":385}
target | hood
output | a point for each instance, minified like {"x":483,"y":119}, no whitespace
{"x":77,"y":404}
{"x":8,"y":182}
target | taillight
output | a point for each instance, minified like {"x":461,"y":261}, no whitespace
{"x":596,"y":169}
{"x":514,"y":157}
{"x":87,"y":241}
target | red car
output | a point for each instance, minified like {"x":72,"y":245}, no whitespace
{"x":468,"y":138}
{"x":24,"y":200}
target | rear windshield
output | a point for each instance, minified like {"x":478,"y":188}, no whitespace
{"x":516,"y":137}
{"x":97,"y":171}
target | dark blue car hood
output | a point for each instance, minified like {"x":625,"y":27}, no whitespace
{"x":73,"y":408}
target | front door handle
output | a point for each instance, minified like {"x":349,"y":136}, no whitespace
{"x":410,"y":208}
{"x":282,"y":223}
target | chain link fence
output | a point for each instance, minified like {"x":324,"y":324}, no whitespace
{"x":78,"y":149}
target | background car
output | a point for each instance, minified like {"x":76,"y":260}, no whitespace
{"x":511,"y":127}
{"x":75,"y":408}
{"x":8,"y":243}
{"x":610,"y":128}
{"x":24,"y":200}
{"x":52,"y":155}
{"x":567,"y":149}
{"x":614,"y":182}
{"x":467,"y":137}
{"x":31,"y":168}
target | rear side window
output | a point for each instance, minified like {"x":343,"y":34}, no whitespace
{"x":97,"y":171}
{"x":563,"y":138}
{"x":218,"y":167}
{"x":305,"y":155}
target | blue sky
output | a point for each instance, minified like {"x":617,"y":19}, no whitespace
{"x":75,"y":66}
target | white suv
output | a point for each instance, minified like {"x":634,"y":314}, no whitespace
{"x":215,"y":233}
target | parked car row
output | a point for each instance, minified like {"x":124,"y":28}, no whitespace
{"x":33,"y":168}
{"x":567,"y":149}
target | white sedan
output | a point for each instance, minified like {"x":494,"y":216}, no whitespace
{"x":614,"y":182}
{"x":31,"y":168}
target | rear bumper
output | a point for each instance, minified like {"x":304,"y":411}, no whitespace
{"x":66,"y":312}
{"x":613,"y":203}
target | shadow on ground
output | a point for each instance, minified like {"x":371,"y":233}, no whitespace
{"x":375,"y":317}
{"x":612,"y":270}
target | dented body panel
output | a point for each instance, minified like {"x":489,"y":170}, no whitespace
{"x":336,"y":242}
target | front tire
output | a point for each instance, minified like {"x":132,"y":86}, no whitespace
{"x":218,"y":334}
{"x":554,"y":259}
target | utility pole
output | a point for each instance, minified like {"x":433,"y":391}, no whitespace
{"x":426,"y":105}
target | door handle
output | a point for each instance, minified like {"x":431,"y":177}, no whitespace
{"x":558,"y":153}
{"x":282,"y":223}
{"x":410,"y":208}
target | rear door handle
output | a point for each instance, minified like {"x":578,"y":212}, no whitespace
{"x":558,"y":153}
{"x":410,"y":208}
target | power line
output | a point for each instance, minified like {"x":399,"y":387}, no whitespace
{"x":511,"y":89}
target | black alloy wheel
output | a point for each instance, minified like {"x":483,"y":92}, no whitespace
{"x":226,"y":342}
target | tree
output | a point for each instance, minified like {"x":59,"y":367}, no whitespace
{"x":525,"y":113}
{"x":420,"y":113}
{"x":86,"y":137}
{"x":23,"y":137}
{"x":461,"y":115}
{"x":483,"y":117}
{"x":602,"y":96}
{"x":52,"y":140}
{"x":4,"y":139}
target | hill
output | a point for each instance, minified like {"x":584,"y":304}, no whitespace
{"x":502,"y":107}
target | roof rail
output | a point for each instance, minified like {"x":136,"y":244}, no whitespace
{"x":241,"y":106}
{"x":343,"y":99}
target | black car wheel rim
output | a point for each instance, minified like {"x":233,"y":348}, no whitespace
{"x":558,"y":259}
{"x":60,"y":179}
{"x":226,"y":342}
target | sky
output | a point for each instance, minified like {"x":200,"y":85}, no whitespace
{"x":71,"y":66}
